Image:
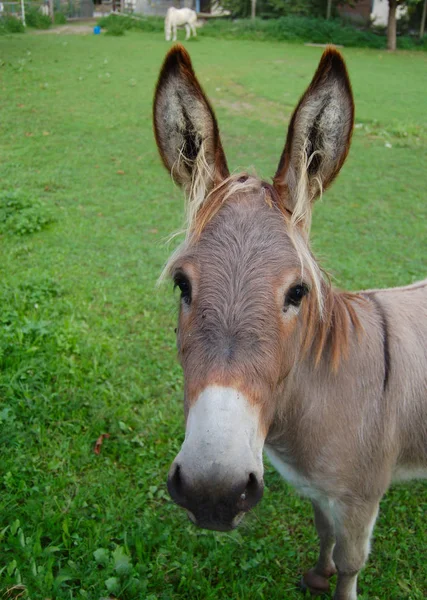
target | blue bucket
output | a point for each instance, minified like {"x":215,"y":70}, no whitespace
{"x":97,"y":30}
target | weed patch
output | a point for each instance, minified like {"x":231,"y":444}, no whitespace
{"x":33,"y":342}
{"x":22,"y":214}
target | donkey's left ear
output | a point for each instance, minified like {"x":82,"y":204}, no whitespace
{"x":185,"y":127}
{"x":319,"y":136}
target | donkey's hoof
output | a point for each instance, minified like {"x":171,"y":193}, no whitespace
{"x":315,"y":584}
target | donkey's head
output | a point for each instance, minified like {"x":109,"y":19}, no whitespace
{"x":250,"y":288}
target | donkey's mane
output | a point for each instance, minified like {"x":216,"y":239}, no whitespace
{"x":329,"y":314}
{"x":332,"y":329}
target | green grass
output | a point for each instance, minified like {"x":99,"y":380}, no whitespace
{"x":87,"y":342}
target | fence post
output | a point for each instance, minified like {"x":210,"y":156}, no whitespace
{"x":23,"y":12}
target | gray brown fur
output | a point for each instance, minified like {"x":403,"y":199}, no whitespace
{"x":341,"y":380}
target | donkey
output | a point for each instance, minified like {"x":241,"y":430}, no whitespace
{"x":332,"y":385}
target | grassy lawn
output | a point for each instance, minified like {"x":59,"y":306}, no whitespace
{"x":87,"y":341}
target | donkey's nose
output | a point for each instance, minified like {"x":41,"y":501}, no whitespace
{"x":213,"y":504}
{"x":182,"y":491}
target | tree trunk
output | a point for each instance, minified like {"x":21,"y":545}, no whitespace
{"x":253,"y":9}
{"x":23,"y":12}
{"x":328,"y":9}
{"x":423,"y":20}
{"x":391,"y":26}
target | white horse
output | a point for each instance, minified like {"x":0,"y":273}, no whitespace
{"x":177,"y":17}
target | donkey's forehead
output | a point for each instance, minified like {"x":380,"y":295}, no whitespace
{"x":248,"y":229}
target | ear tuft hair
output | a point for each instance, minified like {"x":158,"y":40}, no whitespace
{"x":185,"y":127}
{"x":318,"y":137}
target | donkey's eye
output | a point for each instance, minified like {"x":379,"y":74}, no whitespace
{"x":295,"y":295}
{"x":184,"y":285}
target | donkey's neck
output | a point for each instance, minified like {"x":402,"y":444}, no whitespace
{"x":337,"y":385}
{"x":328,"y":336}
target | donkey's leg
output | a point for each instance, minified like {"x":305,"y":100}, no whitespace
{"x":317,"y":579}
{"x":174,"y":32}
{"x":193,"y":29}
{"x":187,"y":31}
{"x":353,"y":529}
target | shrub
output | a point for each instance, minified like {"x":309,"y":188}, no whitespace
{"x":277,"y":8}
{"x":10,"y":24}
{"x":34,"y":18}
{"x":117,"y":26}
{"x":112,"y":21}
{"x":292,"y":28}
{"x":295,"y":28}
{"x":126,"y":22}
{"x":59,"y":18}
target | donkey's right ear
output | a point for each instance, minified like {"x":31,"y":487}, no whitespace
{"x":319,"y":136}
{"x":185,"y":127}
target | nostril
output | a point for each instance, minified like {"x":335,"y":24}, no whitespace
{"x":252,"y":492}
{"x":252,"y":481}
{"x":176,"y":485}
{"x":176,"y":478}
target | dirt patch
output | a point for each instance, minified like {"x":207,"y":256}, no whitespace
{"x":66,"y":30}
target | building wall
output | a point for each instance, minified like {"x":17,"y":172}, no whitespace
{"x":159,"y":7}
{"x":360,"y":12}
{"x":379,"y":15}
{"x":366,"y":11}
